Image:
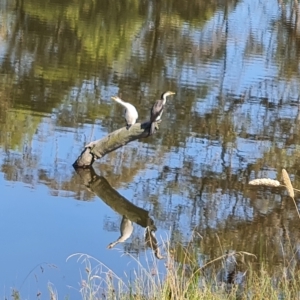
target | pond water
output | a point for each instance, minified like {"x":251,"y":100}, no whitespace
{"x":234,"y":66}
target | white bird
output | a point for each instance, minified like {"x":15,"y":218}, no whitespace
{"x":131,"y":113}
{"x":157,"y":109}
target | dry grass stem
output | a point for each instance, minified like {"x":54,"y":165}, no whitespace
{"x":265,"y":182}
{"x":287,"y":182}
{"x":184,"y":279}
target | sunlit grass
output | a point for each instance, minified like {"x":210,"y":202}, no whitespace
{"x":184,"y":279}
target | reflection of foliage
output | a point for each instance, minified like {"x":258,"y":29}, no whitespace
{"x":195,"y":12}
{"x":80,"y":48}
{"x":91,"y":24}
{"x":288,"y":46}
{"x":24,"y":127}
{"x":62,"y":45}
{"x":72,"y":42}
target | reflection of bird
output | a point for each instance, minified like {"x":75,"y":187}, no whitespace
{"x":131,"y":113}
{"x":126,"y":229}
{"x":157,"y":110}
{"x":151,"y":241}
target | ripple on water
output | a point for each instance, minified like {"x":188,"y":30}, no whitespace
{"x":236,"y":106}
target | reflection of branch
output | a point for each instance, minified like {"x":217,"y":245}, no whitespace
{"x":100,"y":186}
{"x":130,"y":212}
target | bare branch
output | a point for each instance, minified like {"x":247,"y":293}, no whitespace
{"x":120,"y":137}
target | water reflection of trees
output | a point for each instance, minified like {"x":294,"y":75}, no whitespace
{"x":59,"y":60}
{"x":288,"y":39}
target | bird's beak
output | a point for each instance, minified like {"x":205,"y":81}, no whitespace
{"x":114,"y":98}
{"x":172,"y":93}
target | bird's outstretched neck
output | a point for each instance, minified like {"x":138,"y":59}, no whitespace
{"x":164,"y":96}
{"x":119,"y":100}
{"x":157,"y":110}
{"x":131,"y":113}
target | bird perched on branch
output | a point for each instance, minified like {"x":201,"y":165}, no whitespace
{"x":131,"y":113}
{"x":157,"y":110}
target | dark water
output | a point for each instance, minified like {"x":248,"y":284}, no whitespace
{"x":235,"y":117}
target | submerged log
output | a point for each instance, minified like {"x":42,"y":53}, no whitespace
{"x":116,"y":139}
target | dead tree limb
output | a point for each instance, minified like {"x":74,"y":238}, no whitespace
{"x":97,"y":149}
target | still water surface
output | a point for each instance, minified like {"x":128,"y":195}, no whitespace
{"x":235,"y":117}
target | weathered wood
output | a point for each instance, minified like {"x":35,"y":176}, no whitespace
{"x":97,"y":149}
